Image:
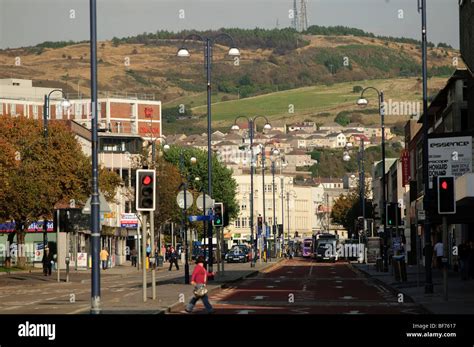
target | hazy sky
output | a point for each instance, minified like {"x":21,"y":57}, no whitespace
{"x":28,"y":22}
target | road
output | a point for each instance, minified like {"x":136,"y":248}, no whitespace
{"x":303,"y":286}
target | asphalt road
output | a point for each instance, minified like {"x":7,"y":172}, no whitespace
{"x":303,"y":286}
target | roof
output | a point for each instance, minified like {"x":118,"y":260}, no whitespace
{"x":334,"y":134}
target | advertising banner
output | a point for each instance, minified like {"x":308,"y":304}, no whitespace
{"x":449,"y":156}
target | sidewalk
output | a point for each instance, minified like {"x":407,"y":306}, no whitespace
{"x":460,"y":293}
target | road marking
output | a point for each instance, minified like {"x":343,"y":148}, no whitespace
{"x":84,"y":308}
{"x":339,"y":287}
{"x":353,"y":312}
{"x":259,"y":297}
{"x":348,"y":297}
{"x":304,"y":288}
{"x":301,"y":310}
{"x":282,"y":276}
{"x":245,"y":311}
{"x":277,"y":281}
{"x":269,"y":286}
{"x":338,"y":281}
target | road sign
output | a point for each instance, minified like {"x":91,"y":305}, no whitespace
{"x":421,"y":215}
{"x":200,"y":218}
{"x":104,"y":206}
{"x":200,"y":203}
{"x":180,"y":200}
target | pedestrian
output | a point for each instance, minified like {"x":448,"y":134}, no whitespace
{"x":463,"y":259}
{"x":133,"y":256}
{"x":47,"y":262}
{"x":148,"y":250}
{"x":168,"y":253}
{"x":104,"y":257}
{"x":439,"y":252}
{"x":173,"y":259}
{"x":199,"y":280}
{"x":156,"y":257}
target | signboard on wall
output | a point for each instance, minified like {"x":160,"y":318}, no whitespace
{"x":129,"y":220}
{"x":449,"y":156}
{"x":406,"y":167}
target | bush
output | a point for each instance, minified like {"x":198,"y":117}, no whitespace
{"x":357,"y":89}
{"x":342,"y":118}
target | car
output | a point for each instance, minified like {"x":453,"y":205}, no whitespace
{"x":238,"y":254}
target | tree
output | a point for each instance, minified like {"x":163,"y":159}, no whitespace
{"x":224,"y":185}
{"x":45,"y":171}
{"x":342,"y":118}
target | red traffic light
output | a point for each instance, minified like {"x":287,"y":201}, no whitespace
{"x":147,"y":180}
{"x":444,"y":185}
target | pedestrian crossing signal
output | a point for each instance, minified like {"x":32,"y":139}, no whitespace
{"x":218,"y":214}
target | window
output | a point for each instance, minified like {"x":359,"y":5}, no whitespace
{"x":35,"y":111}
{"x":59,"y":112}
{"x":78,"y":110}
{"x":244,"y":222}
{"x":13,"y":109}
{"x":243,"y":206}
{"x":237,"y":223}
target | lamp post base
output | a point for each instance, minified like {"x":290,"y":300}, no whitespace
{"x":186,"y":273}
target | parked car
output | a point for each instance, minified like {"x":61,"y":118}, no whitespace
{"x":238,"y":254}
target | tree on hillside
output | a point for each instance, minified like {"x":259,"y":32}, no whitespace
{"x":45,"y":172}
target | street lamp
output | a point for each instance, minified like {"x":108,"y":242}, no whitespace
{"x":293,"y":194}
{"x":183,"y":52}
{"x":251,"y":127}
{"x":275,"y":154}
{"x":64,"y":104}
{"x":364,"y":102}
{"x":184,"y":186}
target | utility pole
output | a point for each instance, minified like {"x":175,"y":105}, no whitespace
{"x":144,"y":256}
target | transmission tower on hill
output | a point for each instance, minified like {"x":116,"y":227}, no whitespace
{"x":303,"y":17}
{"x":294,"y":20}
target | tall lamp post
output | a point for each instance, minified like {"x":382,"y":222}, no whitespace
{"x":184,"y":186}
{"x":183,"y":52}
{"x":293,"y":194}
{"x":273,"y":157}
{"x":364,"y":102}
{"x":426,"y":198}
{"x":251,"y":127}
{"x":360,"y":161}
{"x":64,"y":104}
{"x":95,"y":204}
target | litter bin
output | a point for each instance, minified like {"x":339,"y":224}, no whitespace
{"x":379,"y":264}
{"x":160,"y":261}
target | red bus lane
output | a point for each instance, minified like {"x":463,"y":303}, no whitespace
{"x":303,"y":286}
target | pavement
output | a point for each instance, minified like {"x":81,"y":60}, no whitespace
{"x":460,"y":293}
{"x":303,"y":286}
{"x":121,"y":290}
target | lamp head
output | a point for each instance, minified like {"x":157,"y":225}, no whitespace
{"x":183,"y":53}
{"x":234,"y":52}
{"x":235,"y":127}
{"x":65,"y":103}
{"x":276,"y":152}
{"x":193,"y":160}
{"x":362,"y":102}
{"x":267,"y":126}
{"x":166,"y":147}
{"x":346,"y":157}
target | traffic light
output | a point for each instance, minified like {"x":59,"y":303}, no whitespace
{"x":218,"y":220}
{"x":446,"y":195}
{"x":360,"y":223}
{"x":390,"y":214}
{"x":145,"y":190}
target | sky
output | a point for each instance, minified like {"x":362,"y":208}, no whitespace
{"x":29,"y":22}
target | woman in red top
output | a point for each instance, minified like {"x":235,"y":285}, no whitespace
{"x":199,"y":280}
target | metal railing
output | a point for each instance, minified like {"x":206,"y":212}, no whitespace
{"x":116,"y":95}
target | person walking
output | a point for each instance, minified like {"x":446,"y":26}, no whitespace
{"x":173,"y":259}
{"x":438,"y":252}
{"x":104,"y":257}
{"x":463,"y":259}
{"x":199,"y":280}
{"x":47,"y":262}
{"x":133,"y":256}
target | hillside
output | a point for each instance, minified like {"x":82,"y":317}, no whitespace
{"x":147,"y":64}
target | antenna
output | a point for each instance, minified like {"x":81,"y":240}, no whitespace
{"x":303,"y":16}
{"x":294,"y":21}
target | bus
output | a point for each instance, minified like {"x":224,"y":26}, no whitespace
{"x":307,"y":247}
{"x":325,"y":247}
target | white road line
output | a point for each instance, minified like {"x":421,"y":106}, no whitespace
{"x":84,"y":308}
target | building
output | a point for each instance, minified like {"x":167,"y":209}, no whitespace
{"x":116,"y":115}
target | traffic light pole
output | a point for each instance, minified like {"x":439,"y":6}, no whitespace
{"x":264,"y":224}
{"x":144,"y":255}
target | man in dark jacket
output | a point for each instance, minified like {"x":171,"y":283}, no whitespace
{"x":47,"y":265}
{"x":173,"y":259}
